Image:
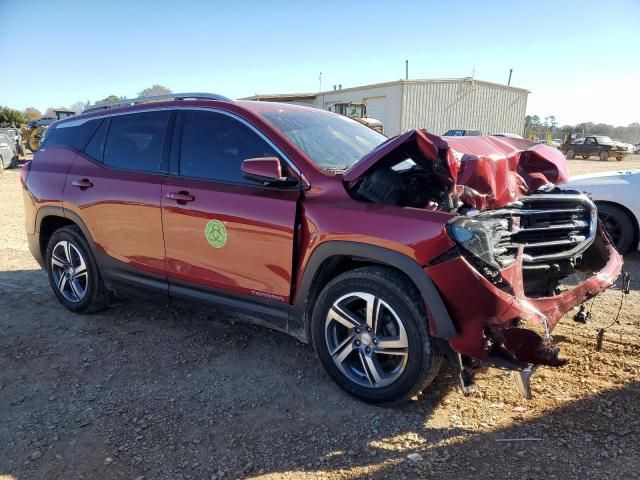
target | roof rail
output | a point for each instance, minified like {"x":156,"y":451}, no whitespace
{"x":157,"y":98}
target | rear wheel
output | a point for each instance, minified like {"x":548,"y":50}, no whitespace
{"x":619,"y":225}
{"x":604,"y":155}
{"x":571,"y":154}
{"x":369,"y":328}
{"x":73,"y":272}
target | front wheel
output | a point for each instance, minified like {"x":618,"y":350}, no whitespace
{"x":369,"y":329}
{"x":73,"y":272}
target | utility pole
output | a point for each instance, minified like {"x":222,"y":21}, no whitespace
{"x":320,"y":80}
{"x":510,"y":72}
{"x":406,"y":69}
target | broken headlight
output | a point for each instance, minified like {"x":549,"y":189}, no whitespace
{"x":481,"y":238}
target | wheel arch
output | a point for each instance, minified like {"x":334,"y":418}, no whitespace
{"x":51,"y":218}
{"x":630,"y":214}
{"x":335,"y":257}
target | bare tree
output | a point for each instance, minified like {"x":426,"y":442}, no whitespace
{"x":32,"y":113}
{"x":79,"y":107}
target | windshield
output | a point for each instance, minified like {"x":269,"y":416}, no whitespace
{"x":332,"y":141}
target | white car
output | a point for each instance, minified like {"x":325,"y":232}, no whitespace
{"x":616,"y":195}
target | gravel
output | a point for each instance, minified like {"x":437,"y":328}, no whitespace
{"x":158,"y":390}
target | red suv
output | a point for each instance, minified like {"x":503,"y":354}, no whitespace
{"x":386,"y":254}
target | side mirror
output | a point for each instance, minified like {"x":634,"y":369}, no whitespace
{"x":266,"y":170}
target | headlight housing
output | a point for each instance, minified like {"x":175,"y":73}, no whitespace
{"x":481,"y":238}
{"x":614,"y":148}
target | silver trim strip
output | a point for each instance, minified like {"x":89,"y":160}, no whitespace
{"x":157,"y":98}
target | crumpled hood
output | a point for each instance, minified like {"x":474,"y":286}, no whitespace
{"x":484,"y":172}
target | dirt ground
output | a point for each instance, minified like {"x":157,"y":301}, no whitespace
{"x":154,"y":390}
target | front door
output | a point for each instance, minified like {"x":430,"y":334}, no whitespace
{"x":221,"y":230}
{"x":590,"y":146}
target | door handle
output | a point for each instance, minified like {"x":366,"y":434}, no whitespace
{"x":82,"y":184}
{"x":181,"y":197}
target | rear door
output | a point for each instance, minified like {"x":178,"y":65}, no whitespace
{"x":115,"y":187}
{"x":221,"y":230}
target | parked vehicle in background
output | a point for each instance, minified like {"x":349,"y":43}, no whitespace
{"x":600,"y":146}
{"x":624,"y":145}
{"x":385,"y":254}
{"x":636,"y":148}
{"x":34,"y":131}
{"x":8,"y":155}
{"x":15,"y":136}
{"x":616,"y":195}
{"x":510,"y":135}
{"x":462,"y":133}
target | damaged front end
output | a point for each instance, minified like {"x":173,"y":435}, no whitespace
{"x":526,"y":251}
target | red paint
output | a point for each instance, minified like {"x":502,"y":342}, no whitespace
{"x":495,"y":171}
{"x":157,"y":223}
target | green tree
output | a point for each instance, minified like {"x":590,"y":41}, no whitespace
{"x":110,"y":98}
{"x":11,"y":117}
{"x":155,"y":90}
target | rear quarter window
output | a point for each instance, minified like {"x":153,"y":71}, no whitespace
{"x":72,"y":135}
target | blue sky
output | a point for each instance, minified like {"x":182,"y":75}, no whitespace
{"x":580,"y":61}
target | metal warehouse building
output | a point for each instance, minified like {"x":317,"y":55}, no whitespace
{"x":434,"y":105}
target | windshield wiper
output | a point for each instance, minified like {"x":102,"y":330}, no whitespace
{"x":338,"y":169}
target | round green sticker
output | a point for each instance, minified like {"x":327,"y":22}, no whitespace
{"x":216,"y":233}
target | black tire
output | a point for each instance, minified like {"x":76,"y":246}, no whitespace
{"x":96,"y":296}
{"x":604,"y":156}
{"x":619,"y":225}
{"x":1,"y":164}
{"x":14,"y":162}
{"x":393,"y":290}
{"x":619,"y":159}
{"x":571,"y":154}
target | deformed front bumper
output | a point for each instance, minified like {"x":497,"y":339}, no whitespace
{"x":489,"y":319}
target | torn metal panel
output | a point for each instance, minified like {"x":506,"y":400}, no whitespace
{"x":489,"y":320}
{"x":484,"y":172}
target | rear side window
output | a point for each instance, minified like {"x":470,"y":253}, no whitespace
{"x":214,"y":145}
{"x":95,"y":147}
{"x":70,"y":135}
{"x":134,"y":141}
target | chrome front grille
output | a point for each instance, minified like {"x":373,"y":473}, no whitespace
{"x":555,"y":226}
{"x":550,"y":227}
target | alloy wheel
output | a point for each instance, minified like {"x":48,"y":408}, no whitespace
{"x":366,"y":340}
{"x":69,"y":271}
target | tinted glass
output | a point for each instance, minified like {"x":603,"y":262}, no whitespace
{"x":134,"y":141}
{"x":95,"y":147}
{"x":70,"y":135}
{"x":214,"y":145}
{"x":331,"y":141}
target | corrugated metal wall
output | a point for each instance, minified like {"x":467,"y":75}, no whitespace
{"x":438,"y":106}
